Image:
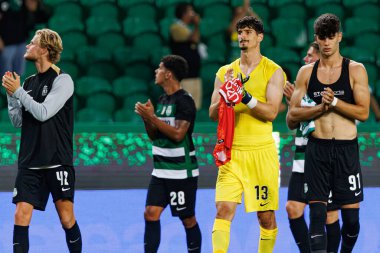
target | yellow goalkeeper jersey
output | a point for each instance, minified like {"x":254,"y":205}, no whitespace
{"x":251,"y":131}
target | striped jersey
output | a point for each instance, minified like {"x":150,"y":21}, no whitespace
{"x":302,"y":136}
{"x":175,"y":160}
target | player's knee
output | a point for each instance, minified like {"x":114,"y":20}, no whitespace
{"x":188,"y":222}
{"x":151,"y":214}
{"x":267,"y":219}
{"x":332,"y":217}
{"x":67,"y":220}
{"x":350,"y":217}
{"x":22,"y":217}
{"x":294,"y":211}
{"x":225,"y":212}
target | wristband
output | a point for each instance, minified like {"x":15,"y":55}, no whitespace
{"x":335,"y":100}
{"x":252,"y":103}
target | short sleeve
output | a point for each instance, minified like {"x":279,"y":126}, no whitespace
{"x":185,"y":109}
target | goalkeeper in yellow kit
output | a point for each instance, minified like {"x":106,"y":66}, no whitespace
{"x":254,"y":167}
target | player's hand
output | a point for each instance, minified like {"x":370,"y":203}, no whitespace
{"x":229,"y":75}
{"x":288,"y":91}
{"x":231,"y":91}
{"x":145,"y":110}
{"x":11,"y":82}
{"x":328,"y":96}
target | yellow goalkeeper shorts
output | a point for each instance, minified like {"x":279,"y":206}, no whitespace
{"x":254,"y":171}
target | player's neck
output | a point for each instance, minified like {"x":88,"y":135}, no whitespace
{"x":171,"y":88}
{"x":42,"y":66}
{"x":250,"y":58}
{"x":331,"y":61}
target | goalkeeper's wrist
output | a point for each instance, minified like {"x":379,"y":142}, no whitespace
{"x":248,"y":100}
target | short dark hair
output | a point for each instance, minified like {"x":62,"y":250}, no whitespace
{"x":315,"y":46}
{"x":326,"y":25}
{"x":250,"y":22}
{"x":181,"y":9}
{"x":177,"y":65}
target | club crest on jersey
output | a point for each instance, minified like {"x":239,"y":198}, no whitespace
{"x":44,"y":91}
{"x":169,"y":110}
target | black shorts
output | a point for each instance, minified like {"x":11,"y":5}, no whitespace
{"x":296,"y":191}
{"x":35,"y":185}
{"x":333,"y":165}
{"x":180,"y":194}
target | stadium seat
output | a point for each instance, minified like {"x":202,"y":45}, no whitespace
{"x":204,"y":3}
{"x":267,"y":41}
{"x":162,"y":4}
{"x":126,"y":86}
{"x":109,"y":41}
{"x":151,"y":41}
{"x":377,"y":90}
{"x":89,"y":85}
{"x":62,"y":24}
{"x":203,"y":115}
{"x":336,"y":9}
{"x":58,"y":2}
{"x":92,"y":115}
{"x":147,"y":11}
{"x":371,"y":11}
{"x":103,"y":69}
{"x":139,"y":70}
{"x":285,"y":37}
{"x":355,"y":3}
{"x":369,"y":41}
{"x":102,"y":102}
{"x":69,"y":68}
{"x":157,"y":54}
{"x":296,"y":11}
{"x":124,"y":56}
{"x":278,"y":3}
{"x":165,"y":24}
{"x":355,"y":26}
{"x":261,"y":10}
{"x":130,"y":101}
{"x":90,"y":3}
{"x":236,"y":3}
{"x":221,"y":12}
{"x":87,"y":55}
{"x":108,"y":10}
{"x":4,"y":116}
{"x":96,"y":26}
{"x":127,"y":115}
{"x":208,"y":72}
{"x":126,"y":4}
{"x":217,"y":27}
{"x":281,"y":54}
{"x":317,"y":3}
{"x":69,"y":9}
{"x":358,"y":54}
{"x":71,"y":42}
{"x":372,"y":73}
{"x":134,"y":26}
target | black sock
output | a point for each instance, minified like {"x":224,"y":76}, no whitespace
{"x":333,"y":237}
{"x":350,"y":229}
{"x":20,"y":239}
{"x":194,"y":239}
{"x":152,"y":236}
{"x":300,"y":231}
{"x":317,"y":233}
{"x":74,"y":239}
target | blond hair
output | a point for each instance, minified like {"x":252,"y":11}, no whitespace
{"x":50,"y":40}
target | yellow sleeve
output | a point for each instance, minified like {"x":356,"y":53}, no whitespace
{"x":179,"y":33}
{"x":221,"y":72}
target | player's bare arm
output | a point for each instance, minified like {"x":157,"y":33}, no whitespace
{"x":296,"y":113}
{"x":215,"y":98}
{"x":154,"y":124}
{"x":268,"y":111}
{"x":359,"y":80}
